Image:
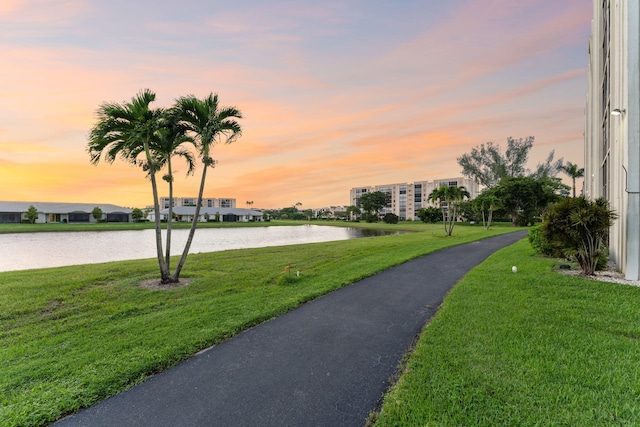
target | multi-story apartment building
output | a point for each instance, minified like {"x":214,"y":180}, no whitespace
{"x":405,"y":199}
{"x":207,"y":202}
{"x":612,"y":127}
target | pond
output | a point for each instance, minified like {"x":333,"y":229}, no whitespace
{"x":23,"y":251}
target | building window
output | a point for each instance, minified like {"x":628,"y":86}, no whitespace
{"x":78,"y":217}
{"x":117,"y":217}
{"x":10,"y":217}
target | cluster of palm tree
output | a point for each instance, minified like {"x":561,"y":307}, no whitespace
{"x":151,"y":137}
{"x":574,"y":172}
{"x":449,"y":199}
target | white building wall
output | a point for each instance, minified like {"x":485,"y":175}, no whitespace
{"x":207,"y":202}
{"x":612,"y":159}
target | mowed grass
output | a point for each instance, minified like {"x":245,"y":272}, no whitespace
{"x":535,"y":348}
{"x":72,"y":336}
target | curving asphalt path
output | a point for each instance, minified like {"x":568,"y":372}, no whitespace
{"x":326,"y":363}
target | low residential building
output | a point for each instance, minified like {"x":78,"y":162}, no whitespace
{"x":405,"y":199}
{"x":612,"y":129}
{"x":329,"y":212}
{"x":51,"y":212}
{"x":208,"y":202}
{"x":186,"y":214}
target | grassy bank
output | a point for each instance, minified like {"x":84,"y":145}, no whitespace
{"x":115,"y":226}
{"x":72,"y":336}
{"x":527,"y":349}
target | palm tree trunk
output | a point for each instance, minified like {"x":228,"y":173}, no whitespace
{"x":192,"y":230}
{"x":170,"y":218}
{"x":164,"y":270}
{"x":452,"y":219}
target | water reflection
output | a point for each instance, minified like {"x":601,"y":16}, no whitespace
{"x":24,"y":251}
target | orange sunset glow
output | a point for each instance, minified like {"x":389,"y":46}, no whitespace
{"x":334,"y":94}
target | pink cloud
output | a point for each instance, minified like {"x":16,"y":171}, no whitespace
{"x":316,"y":122}
{"x":9,"y":7}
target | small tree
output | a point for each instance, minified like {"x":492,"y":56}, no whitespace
{"x":353,"y":212}
{"x":372,"y":203}
{"x":487,"y":203}
{"x":290,"y":212}
{"x":137,"y":215}
{"x":487,"y":164}
{"x":574,"y":172}
{"x":448,"y":198}
{"x":579,"y":228}
{"x":467,"y":211}
{"x":31,"y":215}
{"x":97,"y":213}
{"x":390,"y":218}
{"x":208,"y":124}
{"x":429,"y":215}
{"x":525,"y":198}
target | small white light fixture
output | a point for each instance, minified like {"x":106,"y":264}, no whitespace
{"x":617,"y":112}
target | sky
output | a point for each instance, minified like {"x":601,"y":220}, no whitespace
{"x":334,"y":94}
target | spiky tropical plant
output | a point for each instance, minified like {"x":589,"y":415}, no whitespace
{"x":208,"y":124}
{"x":579,"y":228}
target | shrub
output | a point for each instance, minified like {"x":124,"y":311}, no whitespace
{"x":579,"y":228}
{"x":371,"y":218}
{"x":429,"y":215}
{"x":390,"y":218}
{"x":539,"y":244}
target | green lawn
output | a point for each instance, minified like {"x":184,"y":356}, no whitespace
{"x":72,"y":336}
{"x":534,"y":348}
